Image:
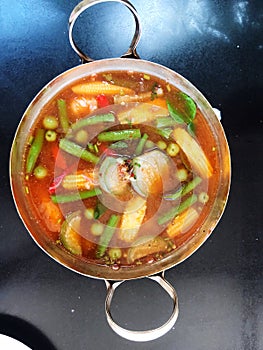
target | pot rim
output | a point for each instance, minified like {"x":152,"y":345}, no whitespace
{"x":180,"y":254}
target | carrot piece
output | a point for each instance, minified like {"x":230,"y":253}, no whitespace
{"x":182,"y":222}
{"x":160,"y":102}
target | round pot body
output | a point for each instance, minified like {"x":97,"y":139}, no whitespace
{"x":17,"y":177}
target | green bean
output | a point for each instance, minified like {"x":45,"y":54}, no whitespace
{"x":141,"y":144}
{"x":168,"y":216}
{"x":106,"y":236}
{"x":184,"y":189}
{"x":166,"y":132}
{"x":77,"y":151}
{"x":119,"y":135}
{"x":63,"y":116}
{"x":35,"y":150}
{"x":99,"y":210}
{"x":164,"y":122}
{"x":73,"y":197}
{"x":102,"y":118}
{"x":120,"y":144}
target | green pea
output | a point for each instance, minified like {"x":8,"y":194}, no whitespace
{"x":51,"y":135}
{"x":82,"y":137}
{"x":115,"y":253}
{"x":97,"y":229}
{"x":203,"y":197}
{"x":50,"y":122}
{"x":172,"y":149}
{"x":40,"y":172}
{"x":161,"y":144}
{"x":89,"y":213}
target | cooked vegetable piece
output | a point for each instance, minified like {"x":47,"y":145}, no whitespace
{"x":99,"y":210}
{"x":77,"y":196}
{"x":161,"y":144}
{"x":182,"y":174}
{"x":151,"y":169}
{"x":106,"y":236}
{"x":132,"y":219}
{"x":110,"y":176}
{"x":63,"y":115}
{"x":51,"y":214}
{"x":169,"y":215}
{"x":165,"y":122}
{"x":146,"y":245}
{"x":141,"y":113}
{"x":185,"y":113}
{"x":141,"y":144}
{"x":193,"y":152}
{"x":97,"y":228}
{"x":50,"y":122}
{"x":98,"y":87}
{"x":69,"y":235}
{"x":203,"y":197}
{"x":93,"y":120}
{"x":81,"y":105}
{"x":40,"y":172}
{"x":144,"y":96}
{"x":172,"y":149}
{"x":35,"y":150}
{"x":81,"y":180}
{"x":115,"y":253}
{"x":82,"y":137}
{"x":89,"y":213}
{"x":119,"y":135}
{"x":119,"y":144}
{"x":182,"y":222}
{"x":165,"y":132}
{"x":51,"y":135}
{"x":187,"y":188}
{"x":77,"y":151}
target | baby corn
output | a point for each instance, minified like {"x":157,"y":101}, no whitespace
{"x":98,"y":87}
{"x":81,"y":180}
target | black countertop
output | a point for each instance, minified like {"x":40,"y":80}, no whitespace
{"x":218,"y":46}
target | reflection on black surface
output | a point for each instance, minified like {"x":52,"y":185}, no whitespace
{"x":25,"y":332}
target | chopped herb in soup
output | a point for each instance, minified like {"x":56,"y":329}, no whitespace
{"x":121,"y":168}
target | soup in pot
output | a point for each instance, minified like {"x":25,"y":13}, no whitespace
{"x":120,"y":169}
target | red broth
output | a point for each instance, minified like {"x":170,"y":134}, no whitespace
{"x":121,"y":168}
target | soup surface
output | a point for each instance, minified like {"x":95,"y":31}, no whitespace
{"x":120,"y":169}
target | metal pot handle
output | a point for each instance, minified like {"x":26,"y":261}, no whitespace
{"x":141,"y":336}
{"x":82,"y":6}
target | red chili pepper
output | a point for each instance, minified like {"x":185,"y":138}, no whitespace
{"x":60,"y":161}
{"x":102,"y":101}
{"x":58,"y":180}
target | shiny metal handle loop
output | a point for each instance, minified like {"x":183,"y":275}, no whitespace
{"x":82,"y":6}
{"x":142,"y":336}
